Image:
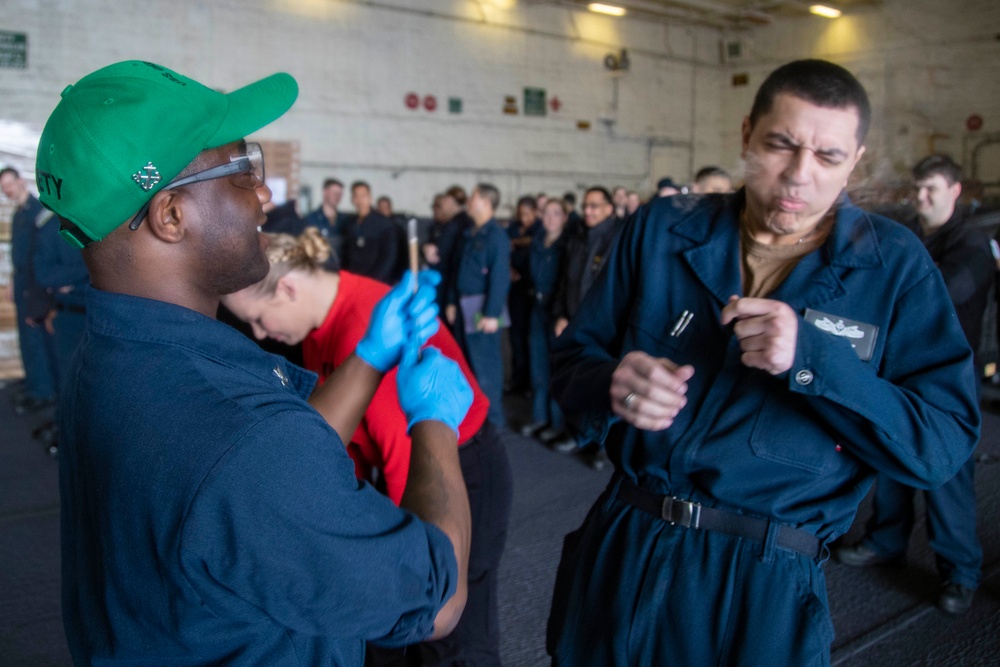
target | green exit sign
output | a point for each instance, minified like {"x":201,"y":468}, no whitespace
{"x":13,"y":50}
{"x":534,"y":102}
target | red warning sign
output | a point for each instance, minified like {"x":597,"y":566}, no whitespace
{"x":412,"y":100}
{"x":974,"y":122}
{"x":430,"y":102}
{"x":555,"y":104}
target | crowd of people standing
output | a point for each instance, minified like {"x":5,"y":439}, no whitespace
{"x":521,"y":277}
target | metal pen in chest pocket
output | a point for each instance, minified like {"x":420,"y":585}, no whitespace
{"x":681,"y":324}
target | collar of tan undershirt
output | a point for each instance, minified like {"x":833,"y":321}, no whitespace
{"x":763,"y":266}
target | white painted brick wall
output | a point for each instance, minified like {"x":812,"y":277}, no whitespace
{"x":355,"y":62}
{"x":927,"y":65}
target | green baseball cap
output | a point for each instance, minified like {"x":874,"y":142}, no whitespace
{"x":122,"y":133}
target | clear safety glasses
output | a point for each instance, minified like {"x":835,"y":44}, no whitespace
{"x":246,"y":170}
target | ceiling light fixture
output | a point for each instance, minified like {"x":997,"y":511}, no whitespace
{"x":610,"y":10}
{"x":824,"y":11}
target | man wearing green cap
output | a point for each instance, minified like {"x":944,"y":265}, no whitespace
{"x":210,"y":515}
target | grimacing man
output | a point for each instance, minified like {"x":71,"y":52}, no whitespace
{"x":751,"y":361}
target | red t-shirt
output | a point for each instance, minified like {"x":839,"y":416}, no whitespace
{"x":380,"y":441}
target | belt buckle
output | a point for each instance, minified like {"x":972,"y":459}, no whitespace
{"x":680,"y":512}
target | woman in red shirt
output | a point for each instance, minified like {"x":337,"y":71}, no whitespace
{"x":303,"y":300}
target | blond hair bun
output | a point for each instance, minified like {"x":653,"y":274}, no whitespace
{"x":307,"y":252}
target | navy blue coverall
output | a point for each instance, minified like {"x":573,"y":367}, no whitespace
{"x":544,"y":267}
{"x":38,"y":352}
{"x":211,"y":516}
{"x":447,"y":237}
{"x":519,"y":303}
{"x":799,"y":449}
{"x":60,"y":269}
{"x":482,"y":267}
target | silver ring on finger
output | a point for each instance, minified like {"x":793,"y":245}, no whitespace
{"x":629,"y":401}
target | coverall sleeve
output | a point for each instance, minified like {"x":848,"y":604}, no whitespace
{"x":281,"y":526}
{"x":916,"y":418}
{"x":498,"y":280}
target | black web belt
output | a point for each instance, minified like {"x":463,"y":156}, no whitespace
{"x":693,"y":515}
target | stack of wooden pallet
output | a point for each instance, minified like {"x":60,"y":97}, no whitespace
{"x":10,"y":356}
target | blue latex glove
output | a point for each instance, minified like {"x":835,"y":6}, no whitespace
{"x":399,"y":319}
{"x":432,"y":387}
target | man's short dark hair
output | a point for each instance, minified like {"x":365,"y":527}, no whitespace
{"x":817,"y":81}
{"x":331,"y":181}
{"x":383,"y":198}
{"x":491,"y":193}
{"x":604,"y":193}
{"x":9,"y":170}
{"x":360,"y":184}
{"x":666,"y":182}
{"x":570,"y":198}
{"x":937,"y":163}
{"x":705,"y":172}
{"x":527,"y":200}
{"x":457,"y":192}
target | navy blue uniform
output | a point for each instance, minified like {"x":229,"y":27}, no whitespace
{"x":283,"y":219}
{"x":519,"y":302}
{"x":60,"y":269}
{"x":447,"y":236}
{"x":375,"y":247}
{"x":227,"y":527}
{"x":32,"y":301}
{"x":962,"y":254}
{"x":574,"y":222}
{"x":544,"y":268}
{"x":797,"y":450}
{"x":333,"y":231}
{"x":482,"y":268}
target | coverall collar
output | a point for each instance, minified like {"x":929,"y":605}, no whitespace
{"x":715,"y":258}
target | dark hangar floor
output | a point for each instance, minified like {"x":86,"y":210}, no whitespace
{"x":882,"y":616}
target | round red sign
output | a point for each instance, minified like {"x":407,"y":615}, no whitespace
{"x":974,"y":122}
{"x":430,"y":103}
{"x":412,"y":100}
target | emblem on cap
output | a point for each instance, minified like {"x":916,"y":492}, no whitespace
{"x":147,"y":177}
